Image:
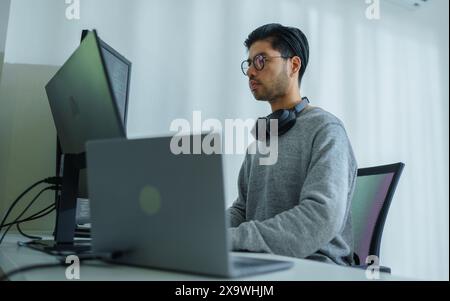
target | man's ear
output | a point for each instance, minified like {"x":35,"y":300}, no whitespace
{"x":296,"y":65}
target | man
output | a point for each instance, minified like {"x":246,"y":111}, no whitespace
{"x":300,"y":206}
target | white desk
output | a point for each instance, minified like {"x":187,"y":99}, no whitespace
{"x":12,"y":257}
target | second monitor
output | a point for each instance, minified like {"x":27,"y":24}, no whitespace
{"x":88,"y":97}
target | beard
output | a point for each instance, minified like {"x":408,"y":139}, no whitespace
{"x":275,"y":89}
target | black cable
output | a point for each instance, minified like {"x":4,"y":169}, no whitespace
{"x":17,"y":200}
{"x":25,"y":210}
{"x":87,"y":257}
{"x":8,"y":275}
{"x":26,"y":235}
{"x":13,"y":223}
{"x":34,"y":217}
{"x":53,"y":181}
{"x":44,"y":212}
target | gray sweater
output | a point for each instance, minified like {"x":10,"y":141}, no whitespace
{"x":299,"y":207}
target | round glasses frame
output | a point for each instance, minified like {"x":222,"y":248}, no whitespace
{"x":259,"y":62}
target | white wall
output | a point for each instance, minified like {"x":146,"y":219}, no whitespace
{"x":386,"y":79}
{"x":4,"y":13}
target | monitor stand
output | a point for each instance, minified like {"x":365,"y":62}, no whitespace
{"x":65,"y":229}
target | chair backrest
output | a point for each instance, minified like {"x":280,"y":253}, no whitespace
{"x":373,"y":194}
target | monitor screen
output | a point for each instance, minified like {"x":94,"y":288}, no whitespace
{"x":119,"y":71}
{"x":82,"y":96}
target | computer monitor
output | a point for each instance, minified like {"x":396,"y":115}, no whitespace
{"x":118,"y":70}
{"x":88,"y":97}
{"x":83,"y":99}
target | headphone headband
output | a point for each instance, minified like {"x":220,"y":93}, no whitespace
{"x":302,"y":105}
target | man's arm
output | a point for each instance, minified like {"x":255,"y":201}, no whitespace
{"x":236,"y":213}
{"x":322,"y":208}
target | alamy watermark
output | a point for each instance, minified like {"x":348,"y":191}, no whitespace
{"x":373,"y":11}
{"x":237,"y":136}
{"x":73,"y":10}
{"x":73,"y":270}
{"x":373,"y":268}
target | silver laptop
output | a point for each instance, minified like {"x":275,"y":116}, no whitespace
{"x":163,"y":210}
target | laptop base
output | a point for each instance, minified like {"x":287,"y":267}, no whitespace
{"x":247,"y":266}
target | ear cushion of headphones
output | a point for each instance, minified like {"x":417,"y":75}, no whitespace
{"x":287,"y":123}
{"x":286,"y":120}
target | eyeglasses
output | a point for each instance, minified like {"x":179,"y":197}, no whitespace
{"x":259,"y":61}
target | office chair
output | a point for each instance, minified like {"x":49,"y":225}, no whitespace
{"x":373,"y":194}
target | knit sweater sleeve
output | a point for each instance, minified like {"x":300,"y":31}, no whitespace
{"x":321,"y":209}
